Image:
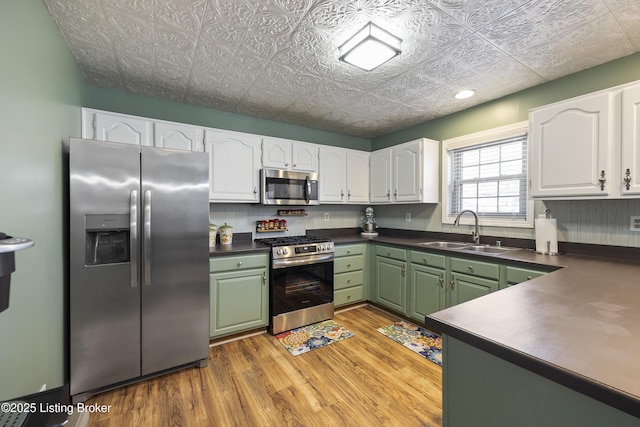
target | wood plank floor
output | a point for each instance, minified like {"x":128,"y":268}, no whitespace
{"x":366,"y":380}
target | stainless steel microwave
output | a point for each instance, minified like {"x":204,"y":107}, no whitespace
{"x":281,"y":187}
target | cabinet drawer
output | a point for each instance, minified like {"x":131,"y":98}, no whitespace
{"x":346,"y":296}
{"x":428,"y":259}
{"x":238,"y":262}
{"x":519,"y":275}
{"x":346,"y":250}
{"x":350,"y":263}
{"x":345,"y":280}
{"x":475,"y":268}
{"x":389,"y":252}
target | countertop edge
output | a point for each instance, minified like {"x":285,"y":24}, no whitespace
{"x":596,"y":390}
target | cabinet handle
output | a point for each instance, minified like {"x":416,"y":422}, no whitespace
{"x":348,"y":280}
{"x":349,"y":265}
{"x":286,"y":164}
{"x":602,"y":180}
{"x":424,"y":260}
{"x":403,"y":271}
{"x":349,"y":194}
{"x":627,"y":179}
{"x":294,"y":165}
{"x":255,"y":191}
{"x":239,"y":263}
{"x":470,"y":268}
{"x":529,"y":277}
{"x":389,"y":194}
{"x":441,"y":280}
{"x":264,"y":278}
{"x":342,"y":194}
{"x":348,"y":251}
{"x":388,"y":254}
{"x":395,"y":193}
{"x":452,"y":282}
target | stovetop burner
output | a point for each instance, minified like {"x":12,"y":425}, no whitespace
{"x":292,"y":240}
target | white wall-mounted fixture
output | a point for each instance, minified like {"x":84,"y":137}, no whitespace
{"x":370,"y":47}
{"x":464,"y":94}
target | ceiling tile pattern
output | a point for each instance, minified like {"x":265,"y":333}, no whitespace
{"x":277,"y":59}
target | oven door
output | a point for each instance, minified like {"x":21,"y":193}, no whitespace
{"x":301,"y":283}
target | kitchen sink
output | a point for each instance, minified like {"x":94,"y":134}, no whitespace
{"x":489,"y":249}
{"x":446,"y":245}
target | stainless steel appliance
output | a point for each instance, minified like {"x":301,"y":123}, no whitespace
{"x":301,"y":281}
{"x":8,"y":246}
{"x":281,"y":187}
{"x":139,"y":276}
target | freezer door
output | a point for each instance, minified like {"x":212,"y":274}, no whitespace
{"x":104,"y":303}
{"x":175,"y":258}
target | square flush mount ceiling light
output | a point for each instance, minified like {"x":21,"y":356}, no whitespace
{"x":370,"y":47}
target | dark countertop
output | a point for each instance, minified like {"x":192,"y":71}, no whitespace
{"x":578,"y":325}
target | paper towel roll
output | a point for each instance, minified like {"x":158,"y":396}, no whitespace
{"x":546,"y":235}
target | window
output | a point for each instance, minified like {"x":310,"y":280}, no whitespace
{"x":487,"y":173}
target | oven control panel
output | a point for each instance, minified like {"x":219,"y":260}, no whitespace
{"x":280,"y":252}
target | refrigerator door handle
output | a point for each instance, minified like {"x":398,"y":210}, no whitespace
{"x":133,"y":240}
{"x":147,"y":238}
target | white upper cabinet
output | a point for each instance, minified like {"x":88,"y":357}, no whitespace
{"x":570,"y":147}
{"x":343,"y":175}
{"x":234,"y":166}
{"x":279,"y":153}
{"x":357,"y":176}
{"x":587,"y":147}
{"x":630,"y":166}
{"x":380,"y":176}
{"x":105,"y":126}
{"x":178,"y":137}
{"x":406,"y":173}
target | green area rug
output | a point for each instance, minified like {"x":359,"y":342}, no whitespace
{"x":302,"y":340}
{"x":419,"y":340}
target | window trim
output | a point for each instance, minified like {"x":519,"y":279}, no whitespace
{"x":503,"y":132}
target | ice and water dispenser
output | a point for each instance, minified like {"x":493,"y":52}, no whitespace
{"x":107,"y":239}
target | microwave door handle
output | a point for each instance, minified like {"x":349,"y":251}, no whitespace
{"x":133,"y":239}
{"x":307,"y":193}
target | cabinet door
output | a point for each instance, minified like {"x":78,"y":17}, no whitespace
{"x":380,"y":176}
{"x":465,"y":288}
{"x":238,"y":301}
{"x":333,"y":166}
{"x":234,"y":166}
{"x":570,"y":144}
{"x":407,"y":172}
{"x":178,"y":137}
{"x":304,"y":157}
{"x":124,"y":129}
{"x":426,"y":291}
{"x":630,"y":166}
{"x":357,"y":176}
{"x":391,"y":283}
{"x":276,"y":153}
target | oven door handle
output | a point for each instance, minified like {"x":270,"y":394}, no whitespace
{"x":314,"y":259}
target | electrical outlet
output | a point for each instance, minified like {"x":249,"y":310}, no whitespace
{"x":635,"y":223}
{"x":326,"y":216}
{"x":407,"y":216}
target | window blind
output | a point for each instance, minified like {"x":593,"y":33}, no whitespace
{"x":490,"y":178}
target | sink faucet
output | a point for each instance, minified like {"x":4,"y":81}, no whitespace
{"x":475,"y":234}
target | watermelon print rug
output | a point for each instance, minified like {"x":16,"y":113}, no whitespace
{"x":302,"y":340}
{"x":422,"y":341}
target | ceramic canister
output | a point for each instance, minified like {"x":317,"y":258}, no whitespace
{"x":226,"y":234}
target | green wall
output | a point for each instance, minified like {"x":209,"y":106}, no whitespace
{"x":137,"y":105}
{"x":41,"y":90}
{"x":514,"y":108}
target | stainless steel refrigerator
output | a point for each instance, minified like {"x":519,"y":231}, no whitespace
{"x":139,"y":263}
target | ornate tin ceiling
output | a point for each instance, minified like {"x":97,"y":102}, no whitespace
{"x":277,"y":59}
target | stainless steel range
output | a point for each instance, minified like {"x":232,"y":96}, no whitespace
{"x":301,"y":277}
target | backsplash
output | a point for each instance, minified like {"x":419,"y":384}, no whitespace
{"x":602,"y":222}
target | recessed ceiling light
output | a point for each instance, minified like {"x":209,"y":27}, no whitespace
{"x":464,"y":94}
{"x":370,"y":47}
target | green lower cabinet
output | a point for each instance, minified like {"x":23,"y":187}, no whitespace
{"x":515,"y":275}
{"x":427,"y":291}
{"x":391,"y":283}
{"x":349,"y":279}
{"x":239,"y":297}
{"x":465,"y":288}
